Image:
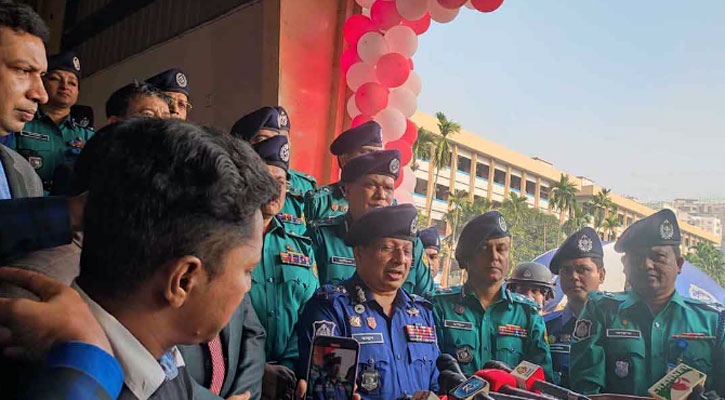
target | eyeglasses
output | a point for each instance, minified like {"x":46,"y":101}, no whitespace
{"x":180,"y":104}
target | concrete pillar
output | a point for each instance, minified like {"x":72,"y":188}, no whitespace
{"x":537,"y":193}
{"x":491,"y":169}
{"x":472,"y":180}
{"x":507,"y":183}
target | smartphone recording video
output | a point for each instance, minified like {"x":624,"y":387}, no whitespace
{"x":332,"y":368}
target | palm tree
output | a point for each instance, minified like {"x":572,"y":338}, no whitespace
{"x":563,"y":196}
{"x":422,"y":147}
{"x":579,"y":219}
{"x":610,"y":225}
{"x":514,"y":208}
{"x":441,"y":153}
{"x":601,"y":206}
{"x":708,"y":258}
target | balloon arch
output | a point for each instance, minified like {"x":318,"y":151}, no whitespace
{"x":378,"y":68}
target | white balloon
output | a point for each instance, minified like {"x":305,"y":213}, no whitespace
{"x":392,"y":122}
{"x":365,"y":3}
{"x":408,"y":183}
{"x":352,"y":109}
{"x":371,"y":46}
{"x":469,"y":5}
{"x":411,"y":9}
{"x":404,"y":100}
{"x":360,"y":73}
{"x":441,"y":14}
{"x":402,"y":39}
{"x":413,"y":83}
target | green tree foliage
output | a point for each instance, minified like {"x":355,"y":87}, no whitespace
{"x":710,"y":260}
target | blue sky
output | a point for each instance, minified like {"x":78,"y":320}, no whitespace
{"x":628,"y":93}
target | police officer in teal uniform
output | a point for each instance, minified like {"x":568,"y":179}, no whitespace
{"x":432,"y":245}
{"x":482,"y":320}
{"x":285,"y":278}
{"x":579,"y":262}
{"x":368,"y":181}
{"x":329,"y":201}
{"x":260,"y":125}
{"x":625,"y":342}
{"x":395,"y":329}
{"x":53,"y":138}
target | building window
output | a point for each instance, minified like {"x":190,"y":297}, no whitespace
{"x":620,"y":218}
{"x":482,"y":171}
{"x":544,"y":193}
{"x":499,"y":177}
{"x":420,"y":186}
{"x":515,"y":182}
{"x":464,"y":164}
{"x":629,"y":221}
{"x":531,"y":188}
{"x":441,"y":193}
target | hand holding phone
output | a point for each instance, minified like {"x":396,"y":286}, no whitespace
{"x":332,"y":368}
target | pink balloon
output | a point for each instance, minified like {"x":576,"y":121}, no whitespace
{"x":355,"y":27}
{"x":413,"y":83}
{"x":359,"y":120}
{"x":371,"y":47}
{"x":392,"y":70}
{"x":405,"y":149}
{"x":411,"y":133}
{"x":451,"y":3}
{"x":419,"y":26}
{"x":402,"y":39}
{"x":371,"y":97}
{"x":352,"y":109}
{"x":403,"y":197}
{"x":408,"y":184}
{"x":384,"y":15}
{"x":411,"y":9}
{"x":348,"y":58}
{"x":412,"y":66}
{"x":392,"y":123}
{"x":404,"y":100}
{"x":486,"y":5}
{"x":360,"y":73}
{"x":441,"y":14}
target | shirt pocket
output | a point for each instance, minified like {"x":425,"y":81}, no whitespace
{"x":509,"y":349}
{"x":297,"y":280}
{"x":696,"y":353}
{"x":422,"y":358}
{"x":625,"y":361}
{"x":374,"y":365}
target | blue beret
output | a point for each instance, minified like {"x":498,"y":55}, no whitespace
{"x":274,"y":151}
{"x":490,"y":225}
{"x":384,"y":162}
{"x":272,"y":118}
{"x":367,"y":134}
{"x":171,"y":80}
{"x":659,"y":229}
{"x":65,"y":61}
{"x":429,"y":237}
{"x":399,"y":221}
{"x":583,"y":243}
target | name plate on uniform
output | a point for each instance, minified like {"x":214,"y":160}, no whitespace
{"x":34,"y":135}
{"x":560,"y":348}
{"x":368,"y":338}
{"x":624,"y":333}
{"x":453,"y":324}
{"x":342,"y":260}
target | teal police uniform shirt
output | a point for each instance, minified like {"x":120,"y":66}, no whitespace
{"x":325,"y":202}
{"x":46,"y":145}
{"x":293,"y":212}
{"x":283,"y":281}
{"x":397,"y":354}
{"x":336,"y":261}
{"x":559,"y":327}
{"x":620,"y":347}
{"x":510,"y":330}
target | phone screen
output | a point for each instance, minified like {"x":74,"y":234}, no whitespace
{"x":332,"y":368}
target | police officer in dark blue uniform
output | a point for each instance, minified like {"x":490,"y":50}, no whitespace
{"x":580,"y":266}
{"x":175,"y":85}
{"x":395,"y":329}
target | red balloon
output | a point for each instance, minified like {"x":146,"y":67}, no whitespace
{"x":371,"y":98}
{"x":411,"y":133}
{"x":405,"y":149}
{"x":359,"y":120}
{"x":348,"y":58}
{"x":452,"y":4}
{"x":410,"y":62}
{"x":419,"y":26}
{"x":486,"y":5}
{"x":356,"y":26}
{"x":384,"y":15}
{"x":392,"y":70}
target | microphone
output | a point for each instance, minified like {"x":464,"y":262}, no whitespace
{"x":446,"y":362}
{"x":474,"y":388}
{"x":503,"y":396}
{"x":678,"y":384}
{"x":530,"y":376}
{"x":494,"y":364}
{"x":450,"y":373}
{"x":502,"y":381}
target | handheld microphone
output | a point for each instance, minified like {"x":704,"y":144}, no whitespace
{"x":678,"y":383}
{"x":473,"y":388}
{"x":446,"y":362}
{"x":502,"y":381}
{"x":530,"y":376}
{"x":494,"y":364}
{"x":449,"y":380}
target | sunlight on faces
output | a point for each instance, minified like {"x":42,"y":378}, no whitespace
{"x":344,"y":158}
{"x":652,"y":271}
{"x":580,"y":276}
{"x":370,"y":191}
{"x":211,"y":303}
{"x":22,"y":64}
{"x":433,"y":260}
{"x":273,"y":208}
{"x":62,"y":88}
{"x":384,"y":263}
{"x":179,"y":105}
{"x":264,"y":134}
{"x":490,"y":262}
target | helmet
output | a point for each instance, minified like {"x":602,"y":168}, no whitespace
{"x":532,"y":273}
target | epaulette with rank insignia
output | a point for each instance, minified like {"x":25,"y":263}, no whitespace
{"x":331,"y":291}
{"x":520,"y":298}
{"x":336,"y":220}
{"x":305,"y":239}
{"x":446,"y":291}
{"x":421,"y":300}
